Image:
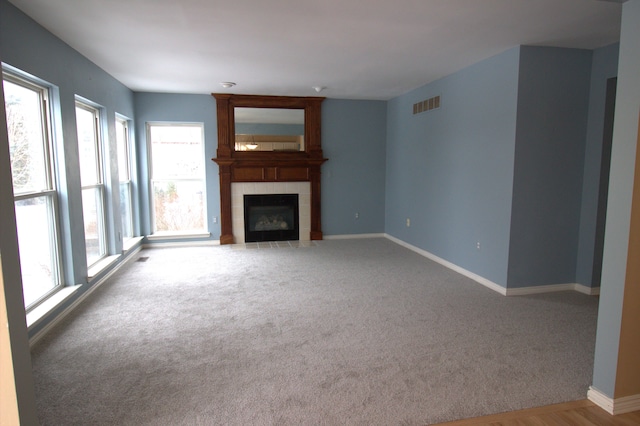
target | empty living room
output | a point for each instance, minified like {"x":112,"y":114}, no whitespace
{"x":322,"y":213}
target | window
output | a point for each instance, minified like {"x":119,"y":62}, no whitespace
{"x":124,"y":172}
{"x":177,"y":177}
{"x":34,"y":187}
{"x":91,"y":179}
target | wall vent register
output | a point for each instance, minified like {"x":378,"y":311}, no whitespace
{"x":426,"y":105}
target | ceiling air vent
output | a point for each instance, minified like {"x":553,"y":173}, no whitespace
{"x":426,"y":105}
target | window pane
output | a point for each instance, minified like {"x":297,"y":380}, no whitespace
{"x":179,"y":205}
{"x":26,"y":138}
{"x":36,"y":241}
{"x":125,"y":210}
{"x":87,"y":146}
{"x":93,"y":224}
{"x":176,"y":152}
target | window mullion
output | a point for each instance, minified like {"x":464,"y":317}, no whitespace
{"x":35,"y":194}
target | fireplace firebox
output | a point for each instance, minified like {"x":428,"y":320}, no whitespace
{"x":271,"y":217}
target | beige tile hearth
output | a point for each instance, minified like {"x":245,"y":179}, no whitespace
{"x":272,"y":245}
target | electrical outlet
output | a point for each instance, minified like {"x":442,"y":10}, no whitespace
{"x":408,"y":222}
{"x":215,"y":219}
{"x":478,"y":245}
{"x":357,"y":215}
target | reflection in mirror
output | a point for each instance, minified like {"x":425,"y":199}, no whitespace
{"x":269,"y":129}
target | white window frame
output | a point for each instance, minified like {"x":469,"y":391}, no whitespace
{"x":126,"y":139}
{"x":152,"y":180}
{"x":98,"y":186}
{"x":50,"y":192}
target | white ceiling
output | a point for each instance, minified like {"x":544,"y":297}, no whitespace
{"x":357,"y":49}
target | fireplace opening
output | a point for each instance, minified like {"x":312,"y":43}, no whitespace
{"x":271,"y":217}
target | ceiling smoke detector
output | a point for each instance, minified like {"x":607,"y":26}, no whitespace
{"x":319,"y":88}
{"x":227,"y":84}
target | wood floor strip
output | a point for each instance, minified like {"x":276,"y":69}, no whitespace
{"x":575,"y":413}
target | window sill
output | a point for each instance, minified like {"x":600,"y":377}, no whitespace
{"x":50,"y":304}
{"x":129,"y":243}
{"x":177,"y":235}
{"x":101,"y":265}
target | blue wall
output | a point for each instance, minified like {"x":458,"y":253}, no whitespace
{"x":353,"y":139}
{"x":163,"y":107}
{"x":553,"y":99}
{"x":450,"y":170}
{"x":501,"y":163}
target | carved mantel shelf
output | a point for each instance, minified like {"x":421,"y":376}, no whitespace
{"x":239,"y":166}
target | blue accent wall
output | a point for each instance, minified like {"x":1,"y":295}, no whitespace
{"x":553,"y":99}
{"x":450,"y":170}
{"x":353,"y":139}
{"x":181,"y":108}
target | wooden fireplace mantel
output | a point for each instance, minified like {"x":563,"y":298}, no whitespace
{"x":244,"y":166}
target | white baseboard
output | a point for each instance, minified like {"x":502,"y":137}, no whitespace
{"x":589,"y":291}
{"x":180,"y":244}
{"x":42,"y":332}
{"x":352,"y":236}
{"x":485,"y":282}
{"x":522,"y":291}
{"x":615,"y":406}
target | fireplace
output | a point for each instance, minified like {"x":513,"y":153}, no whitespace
{"x":269,"y":172}
{"x":271,"y":217}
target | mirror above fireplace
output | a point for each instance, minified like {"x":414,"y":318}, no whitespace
{"x":269,"y":129}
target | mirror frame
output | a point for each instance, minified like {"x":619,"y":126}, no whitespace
{"x":225,"y":107}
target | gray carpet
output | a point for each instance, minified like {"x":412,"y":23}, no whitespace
{"x":355,"y":332}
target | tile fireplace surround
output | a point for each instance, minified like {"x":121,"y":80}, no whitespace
{"x":239,"y":189}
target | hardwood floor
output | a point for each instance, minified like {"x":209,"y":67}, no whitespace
{"x":577,"y":413}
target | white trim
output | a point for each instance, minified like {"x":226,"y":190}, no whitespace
{"x":521,"y":291}
{"x":352,"y":236}
{"x":168,"y":235}
{"x":612,"y":406}
{"x":130,"y":242}
{"x":35,"y":316}
{"x":589,"y":291}
{"x":552,"y":288}
{"x":600,"y":399}
{"x":485,"y":282}
{"x":54,"y":321}
{"x":181,"y":244}
{"x":101,"y":265}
